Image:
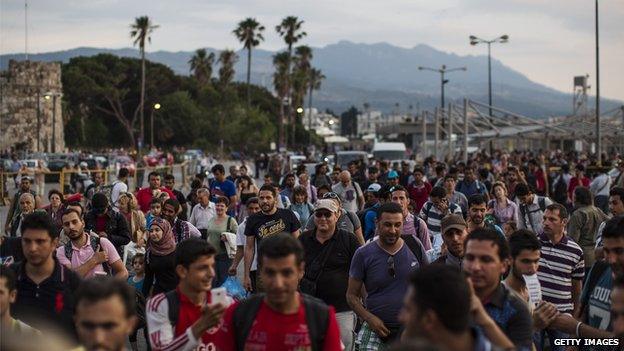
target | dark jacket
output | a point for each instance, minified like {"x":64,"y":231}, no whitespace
{"x":117,"y":230}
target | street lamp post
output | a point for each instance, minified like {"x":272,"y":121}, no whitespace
{"x":474,"y":41}
{"x":38,"y":121}
{"x":157,"y":106}
{"x":443,"y":70}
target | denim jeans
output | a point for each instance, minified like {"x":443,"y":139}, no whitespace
{"x":552,"y":335}
{"x":346,"y":324}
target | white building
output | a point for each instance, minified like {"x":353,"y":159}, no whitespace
{"x":324,"y":124}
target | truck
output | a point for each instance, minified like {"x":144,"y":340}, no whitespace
{"x":389,"y":151}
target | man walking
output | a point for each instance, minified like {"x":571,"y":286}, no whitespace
{"x":145,"y":195}
{"x":170,"y":184}
{"x":382,"y":267}
{"x":454,"y":234}
{"x":103,"y":220}
{"x":531,"y":208}
{"x":328,"y":252}
{"x":584,"y":223}
{"x":203,"y":212}
{"x":350,"y":193}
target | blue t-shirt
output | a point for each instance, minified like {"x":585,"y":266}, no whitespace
{"x":468,"y":189}
{"x":138,"y":286}
{"x":369,"y":222}
{"x":225,"y":188}
{"x":599,"y":304}
{"x":385,"y":293}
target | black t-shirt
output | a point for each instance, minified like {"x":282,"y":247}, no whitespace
{"x":263,"y":226}
{"x":334,"y":278}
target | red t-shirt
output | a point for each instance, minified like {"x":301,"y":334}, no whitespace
{"x":574,"y":182}
{"x":419,"y":193}
{"x":100,"y":223}
{"x":273,"y":330}
{"x":144,"y":197}
{"x":189,"y":314}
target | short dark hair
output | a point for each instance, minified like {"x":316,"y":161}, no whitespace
{"x":324,"y":187}
{"x":75,"y":204}
{"x":476,"y":199}
{"x":123,"y":172}
{"x":419,"y":170}
{"x":617,"y":191}
{"x":373,"y":169}
{"x":614,"y":228}
{"x":101,"y":288}
{"x":39,"y":220}
{"x":522,"y":189}
{"x":389,"y":207}
{"x":68,"y":211}
{"x":190,"y":250}
{"x":434,"y":287}
{"x":563,"y":212}
{"x":252,"y":200}
{"x":488,"y":234}
{"x":448,"y":176}
{"x":153,"y":174}
{"x":172,"y":202}
{"x":280,"y":246}
{"x":8,"y":274}
{"x":169,"y":176}
{"x":138,"y":256}
{"x":222,"y":200}
{"x":218,"y":168}
{"x":155,"y":200}
{"x":523,"y":239}
{"x":55,"y":192}
{"x":440,"y":168}
{"x":268,"y":187}
{"x":399,"y":188}
{"x":580,"y":167}
{"x":582,"y":196}
{"x":438,"y":191}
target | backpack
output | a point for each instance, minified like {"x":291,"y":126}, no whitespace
{"x":108,"y":191}
{"x":94,"y":241}
{"x":429,"y":205}
{"x":560,"y":191}
{"x":412,"y":244}
{"x":173,"y":300}
{"x":316,"y":313}
{"x":139,"y":301}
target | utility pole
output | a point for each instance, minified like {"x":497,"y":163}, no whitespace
{"x":598,"y":138}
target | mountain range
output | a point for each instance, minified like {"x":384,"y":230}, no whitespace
{"x":381,"y":75}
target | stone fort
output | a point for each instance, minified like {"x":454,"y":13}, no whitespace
{"x":31,"y":114}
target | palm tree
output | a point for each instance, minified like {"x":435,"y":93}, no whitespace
{"x":249,"y":34}
{"x":280,"y":83}
{"x":300,"y":79}
{"x":316,"y":76}
{"x":140,"y":31}
{"x":201,"y":65}
{"x":290,"y":31}
{"x":227,"y":59}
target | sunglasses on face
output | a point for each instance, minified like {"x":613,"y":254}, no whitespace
{"x":391,"y":269}
{"x":330,"y":195}
{"x":321,"y":214}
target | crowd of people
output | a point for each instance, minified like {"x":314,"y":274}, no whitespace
{"x":508,"y":252}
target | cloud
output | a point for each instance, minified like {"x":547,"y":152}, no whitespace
{"x":551,"y":41}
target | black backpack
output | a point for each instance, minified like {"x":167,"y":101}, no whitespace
{"x":94,"y":241}
{"x":413,"y":245}
{"x":560,"y":191}
{"x":316,"y":312}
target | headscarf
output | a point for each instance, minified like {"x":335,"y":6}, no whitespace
{"x":166,"y":244}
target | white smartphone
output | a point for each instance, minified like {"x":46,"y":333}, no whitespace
{"x":218,"y":295}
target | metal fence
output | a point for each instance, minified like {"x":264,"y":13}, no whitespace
{"x":184,"y":173}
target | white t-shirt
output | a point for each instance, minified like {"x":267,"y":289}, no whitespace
{"x":241,"y":239}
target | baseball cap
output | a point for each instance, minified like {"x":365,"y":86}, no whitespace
{"x":373,"y":188}
{"x":453,"y":221}
{"x":326,"y":204}
{"x":393,"y":174}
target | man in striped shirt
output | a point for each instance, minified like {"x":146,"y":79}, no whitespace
{"x":561,"y":267}
{"x":432,"y":213}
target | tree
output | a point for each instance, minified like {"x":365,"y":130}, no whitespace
{"x":140,"y":31}
{"x":290,"y":30}
{"x":348,"y":122}
{"x":316,"y":76}
{"x":227,"y":59}
{"x":280,"y":83}
{"x":201,"y":66}
{"x":249,"y":33}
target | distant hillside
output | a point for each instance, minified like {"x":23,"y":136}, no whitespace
{"x":380,"y":74}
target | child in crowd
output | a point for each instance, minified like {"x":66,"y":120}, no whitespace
{"x":136,"y":280}
{"x":155,"y":208}
{"x":509,"y":227}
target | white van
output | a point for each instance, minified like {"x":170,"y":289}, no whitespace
{"x":389,"y":151}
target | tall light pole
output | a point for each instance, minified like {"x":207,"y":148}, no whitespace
{"x":598,"y":141}
{"x":156,"y":106}
{"x":474,"y":41}
{"x":443,"y":70}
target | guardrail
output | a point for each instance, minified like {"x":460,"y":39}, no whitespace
{"x":184,"y":173}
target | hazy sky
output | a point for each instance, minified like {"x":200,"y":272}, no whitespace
{"x":550,"y":40}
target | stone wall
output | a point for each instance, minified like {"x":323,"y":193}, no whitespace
{"x":22,"y":86}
